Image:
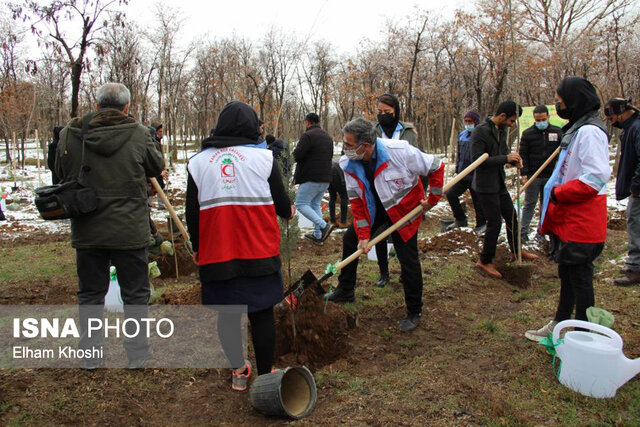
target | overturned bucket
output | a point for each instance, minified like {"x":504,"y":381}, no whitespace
{"x":289,"y":392}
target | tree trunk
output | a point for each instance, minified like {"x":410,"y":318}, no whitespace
{"x":8,"y":149}
{"x":76,"y":73}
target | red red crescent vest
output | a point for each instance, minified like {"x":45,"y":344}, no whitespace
{"x":237,"y":215}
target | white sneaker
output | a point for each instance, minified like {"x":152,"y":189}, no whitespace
{"x":541,"y":333}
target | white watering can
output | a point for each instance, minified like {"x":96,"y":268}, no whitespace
{"x":593,"y":364}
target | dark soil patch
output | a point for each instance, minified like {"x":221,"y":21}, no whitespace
{"x":167,"y":264}
{"x":616,"y":220}
{"x":519,"y":275}
{"x":50,"y":292}
{"x":176,"y":196}
{"x":17,"y":234}
{"x":617,"y":224}
{"x":451,"y":241}
{"x":181,"y":296}
{"x":316,"y":337}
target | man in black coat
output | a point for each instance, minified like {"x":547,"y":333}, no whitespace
{"x":623,"y":115}
{"x":489,"y":182}
{"x":338,"y":187}
{"x":51,"y":155}
{"x":313,"y":156}
{"x":536,"y":146}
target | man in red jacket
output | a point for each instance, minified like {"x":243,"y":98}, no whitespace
{"x":383,"y":183}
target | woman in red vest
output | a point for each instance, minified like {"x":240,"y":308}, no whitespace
{"x":234,"y":192}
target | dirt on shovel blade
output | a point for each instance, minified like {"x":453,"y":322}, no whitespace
{"x":320,"y":337}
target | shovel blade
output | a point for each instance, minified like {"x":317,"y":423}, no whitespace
{"x":296,"y":289}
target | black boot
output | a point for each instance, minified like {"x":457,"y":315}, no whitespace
{"x":340,"y":295}
{"x":410,"y":322}
{"x":382,"y":281}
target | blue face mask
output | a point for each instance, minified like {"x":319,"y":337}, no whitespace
{"x":542,"y":125}
{"x":469,"y":127}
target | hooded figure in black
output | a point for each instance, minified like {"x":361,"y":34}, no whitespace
{"x":387,"y":121}
{"x":254,"y":282}
{"x":386,"y":128}
{"x":580,"y":98}
{"x":280,"y":152}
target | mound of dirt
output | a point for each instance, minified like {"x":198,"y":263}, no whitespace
{"x":181,"y":296}
{"x":167,"y":264}
{"x":518,"y":275}
{"x":451,"y":241}
{"x":617,"y":224}
{"x":29,"y":236}
{"x":320,"y":337}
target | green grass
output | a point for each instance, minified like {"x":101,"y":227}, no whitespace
{"x":490,"y":326}
{"x":37,"y":262}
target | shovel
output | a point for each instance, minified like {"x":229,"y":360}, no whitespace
{"x":538,"y":172}
{"x":308,"y":279}
{"x":172,"y":212}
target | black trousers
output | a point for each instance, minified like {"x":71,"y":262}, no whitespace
{"x":263,"y":336}
{"x":344,"y":203}
{"x":411,"y":271}
{"x":453,"y":196}
{"x":382,"y":254}
{"x":92,"y":266}
{"x":496,"y":207}
{"x":576,"y":290}
{"x":575,"y":268}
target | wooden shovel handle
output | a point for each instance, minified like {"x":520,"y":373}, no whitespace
{"x":174,"y":216}
{"x":418,"y":210}
{"x":538,"y":172}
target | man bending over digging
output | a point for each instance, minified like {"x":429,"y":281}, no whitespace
{"x":383,"y":185}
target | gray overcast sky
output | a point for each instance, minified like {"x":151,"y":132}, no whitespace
{"x":342,"y":22}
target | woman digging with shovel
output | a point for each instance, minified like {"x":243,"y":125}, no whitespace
{"x":574,"y":212}
{"x":234,"y":192}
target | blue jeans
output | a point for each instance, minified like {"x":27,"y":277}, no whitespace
{"x":531,"y":196}
{"x":309,"y":204}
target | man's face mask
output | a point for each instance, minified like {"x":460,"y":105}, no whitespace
{"x":353,"y":154}
{"x":542,"y":125}
{"x":386,"y":119}
{"x":469,"y":127}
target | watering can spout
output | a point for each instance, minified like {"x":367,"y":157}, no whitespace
{"x":629,"y":368}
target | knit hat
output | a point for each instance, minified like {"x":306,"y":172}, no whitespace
{"x":473,"y":115}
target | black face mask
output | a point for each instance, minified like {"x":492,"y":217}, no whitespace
{"x":564,"y":113}
{"x":386,"y":120}
{"x":617,"y":125}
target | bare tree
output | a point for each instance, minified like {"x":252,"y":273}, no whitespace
{"x":47,"y":21}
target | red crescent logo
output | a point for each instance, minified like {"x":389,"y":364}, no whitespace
{"x":226,"y":171}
